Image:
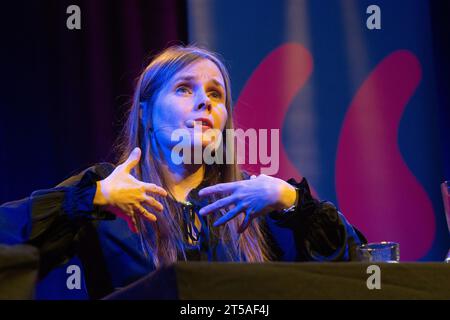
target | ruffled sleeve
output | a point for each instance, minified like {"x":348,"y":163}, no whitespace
{"x":320,"y":231}
{"x":50,"y":219}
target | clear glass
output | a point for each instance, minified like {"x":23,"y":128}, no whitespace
{"x":379,"y":252}
{"x":445,"y":188}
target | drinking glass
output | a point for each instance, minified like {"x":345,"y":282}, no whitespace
{"x":379,"y":252}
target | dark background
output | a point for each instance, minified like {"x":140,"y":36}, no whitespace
{"x":64,"y":92}
{"x":440,"y":19}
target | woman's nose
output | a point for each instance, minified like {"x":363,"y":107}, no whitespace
{"x":204,"y":105}
{"x":203,"y":102}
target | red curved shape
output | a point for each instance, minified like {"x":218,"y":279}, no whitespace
{"x":375,"y":188}
{"x":267,"y":95}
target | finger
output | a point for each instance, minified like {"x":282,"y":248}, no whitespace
{"x":152,"y":202}
{"x":133,"y":225}
{"x":247,"y":220}
{"x":133,"y":159}
{"x":133,"y":219}
{"x":230,"y":215}
{"x":217,"y":205}
{"x":129,"y":216}
{"x":153,"y":188}
{"x":141,"y":210}
{"x":220,"y":187}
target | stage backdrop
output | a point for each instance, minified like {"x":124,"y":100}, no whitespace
{"x":358,"y":108}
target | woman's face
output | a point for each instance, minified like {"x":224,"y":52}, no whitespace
{"x":195,"y":96}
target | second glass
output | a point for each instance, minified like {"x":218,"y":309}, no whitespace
{"x":379,"y":252}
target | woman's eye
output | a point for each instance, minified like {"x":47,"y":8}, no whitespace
{"x":216,"y":94}
{"x":183,"y":90}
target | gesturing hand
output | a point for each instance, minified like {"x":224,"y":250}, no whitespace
{"x":125,"y":195}
{"x":253,"y":197}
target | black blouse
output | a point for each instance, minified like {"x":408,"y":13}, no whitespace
{"x":63,"y":222}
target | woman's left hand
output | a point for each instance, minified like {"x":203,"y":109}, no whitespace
{"x":253,"y":197}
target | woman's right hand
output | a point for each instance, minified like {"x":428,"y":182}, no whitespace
{"x":123,"y":194}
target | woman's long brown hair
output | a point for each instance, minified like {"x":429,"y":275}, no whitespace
{"x":163,"y":240}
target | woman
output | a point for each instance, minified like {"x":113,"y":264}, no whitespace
{"x":124,"y":221}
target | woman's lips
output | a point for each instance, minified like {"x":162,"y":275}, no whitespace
{"x":204,"y":123}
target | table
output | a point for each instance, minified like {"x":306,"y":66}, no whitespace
{"x":344,"y":280}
